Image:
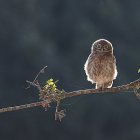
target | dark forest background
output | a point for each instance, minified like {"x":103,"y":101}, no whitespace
{"x":59,"y":34}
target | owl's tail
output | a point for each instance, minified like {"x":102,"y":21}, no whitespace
{"x":105,"y":85}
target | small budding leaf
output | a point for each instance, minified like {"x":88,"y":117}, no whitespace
{"x":50,"y":84}
{"x":138,"y":70}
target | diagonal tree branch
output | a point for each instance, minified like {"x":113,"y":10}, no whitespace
{"x":132,"y":86}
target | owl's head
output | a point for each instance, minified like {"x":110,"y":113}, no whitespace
{"x":101,"y":45}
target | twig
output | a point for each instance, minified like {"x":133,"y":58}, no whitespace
{"x":40,"y":72}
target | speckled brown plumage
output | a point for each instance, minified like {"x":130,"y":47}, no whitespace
{"x":100,"y":66}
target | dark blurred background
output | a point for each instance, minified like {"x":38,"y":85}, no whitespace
{"x":59,"y":34}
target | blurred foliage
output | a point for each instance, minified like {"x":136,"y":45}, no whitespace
{"x":59,"y":34}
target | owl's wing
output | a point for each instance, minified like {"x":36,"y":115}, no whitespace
{"x":114,"y":59}
{"x":88,"y":67}
{"x":116,"y":72}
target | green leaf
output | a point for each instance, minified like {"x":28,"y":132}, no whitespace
{"x":138,"y":70}
{"x":50,"y":84}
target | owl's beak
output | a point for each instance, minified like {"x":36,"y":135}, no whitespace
{"x":102,"y":50}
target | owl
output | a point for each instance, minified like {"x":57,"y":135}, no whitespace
{"x":100,"y":66}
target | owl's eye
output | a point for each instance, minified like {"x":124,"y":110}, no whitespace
{"x":107,"y":47}
{"x":99,"y":46}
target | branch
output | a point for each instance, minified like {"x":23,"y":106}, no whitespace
{"x":133,"y":86}
{"x":48,"y":97}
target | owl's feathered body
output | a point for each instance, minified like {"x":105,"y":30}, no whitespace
{"x":100,"y":66}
